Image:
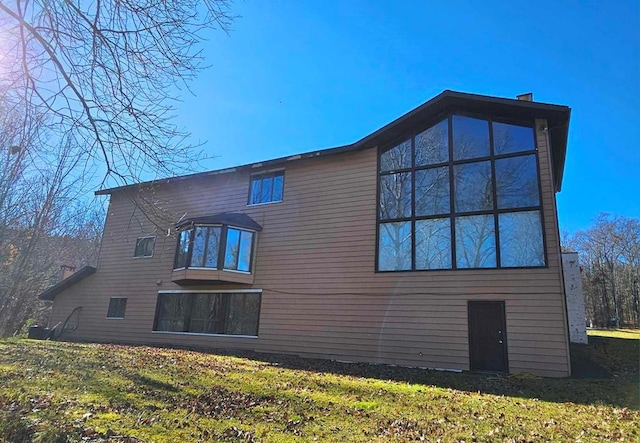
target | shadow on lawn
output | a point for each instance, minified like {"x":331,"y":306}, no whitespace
{"x":607,"y":373}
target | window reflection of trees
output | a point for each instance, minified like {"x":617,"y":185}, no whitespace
{"x":490,"y":181}
{"x":433,"y":243}
{"x":473,"y":186}
{"x":432,"y":191}
{"x":521,"y":239}
{"x":395,"y":246}
{"x":219,"y":313}
{"x":395,"y":201}
{"x":475,"y":242}
{"x":517,"y":182}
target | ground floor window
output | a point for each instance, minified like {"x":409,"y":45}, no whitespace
{"x":209,"y":313}
{"x":117,"y":307}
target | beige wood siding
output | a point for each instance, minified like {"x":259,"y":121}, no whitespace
{"x":315,"y":263}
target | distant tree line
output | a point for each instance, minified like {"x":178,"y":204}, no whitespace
{"x":609,"y":254}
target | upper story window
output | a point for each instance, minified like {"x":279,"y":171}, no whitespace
{"x":266,"y":188}
{"x":223,"y":242}
{"x":464,"y":193}
{"x":144,"y":247}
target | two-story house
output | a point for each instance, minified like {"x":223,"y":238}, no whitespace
{"x":432,"y":242}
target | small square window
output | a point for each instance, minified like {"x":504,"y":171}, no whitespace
{"x":266,"y":188}
{"x":144,"y":247}
{"x":117,"y":306}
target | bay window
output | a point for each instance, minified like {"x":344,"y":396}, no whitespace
{"x":215,"y":247}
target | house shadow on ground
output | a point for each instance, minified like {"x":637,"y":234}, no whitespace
{"x":606,"y":371}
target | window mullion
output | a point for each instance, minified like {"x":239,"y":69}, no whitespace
{"x":452,"y":202}
{"x":273,"y":183}
{"x":192,"y":234}
{"x":222,"y":247}
{"x":224,"y":311}
{"x":413,"y":203}
{"x":494,"y":190}
{"x":187,"y":311}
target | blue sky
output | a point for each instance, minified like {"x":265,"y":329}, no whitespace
{"x":294,"y":76}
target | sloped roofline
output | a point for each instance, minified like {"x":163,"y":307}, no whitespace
{"x":50,"y":294}
{"x":557,"y":117}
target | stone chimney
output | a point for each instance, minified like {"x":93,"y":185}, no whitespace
{"x":528,"y":97}
{"x":66,"y":271}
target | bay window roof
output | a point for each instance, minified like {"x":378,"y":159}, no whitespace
{"x":236,"y":219}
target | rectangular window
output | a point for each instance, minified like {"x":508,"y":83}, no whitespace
{"x":209,"y":313}
{"x":206,"y":243}
{"x":462,"y":194}
{"x":395,"y":195}
{"x":182,"y":254}
{"x":432,"y":191}
{"x":433,"y":243}
{"x":517,"y":182}
{"x":395,"y":246}
{"x":117,"y":307}
{"x":266,"y":188}
{"x":475,"y":242}
{"x":237,"y":255}
{"x":144,"y":247}
{"x":521,"y":239}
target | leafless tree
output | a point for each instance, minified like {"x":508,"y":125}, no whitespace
{"x":107,"y":73}
{"x":609,"y":254}
{"x":42,"y":223}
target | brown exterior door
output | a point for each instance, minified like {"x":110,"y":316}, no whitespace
{"x":487,"y":336}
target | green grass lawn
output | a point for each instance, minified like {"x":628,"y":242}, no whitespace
{"x":615,"y":333}
{"x":56,"y":392}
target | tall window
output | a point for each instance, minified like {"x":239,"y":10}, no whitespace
{"x":266,"y":188}
{"x":464,"y":193}
{"x":217,"y":313}
{"x":215,"y":247}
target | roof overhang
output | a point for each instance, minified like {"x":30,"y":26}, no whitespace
{"x":447,"y":102}
{"x":557,"y":117}
{"x":51,"y":293}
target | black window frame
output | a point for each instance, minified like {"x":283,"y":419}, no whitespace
{"x":222,"y":248}
{"x":262,"y":176}
{"x":117,"y":304}
{"x":187,"y":316}
{"x":452,"y":215}
{"x":139,"y":241}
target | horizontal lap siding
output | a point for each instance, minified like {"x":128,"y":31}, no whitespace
{"x":315,"y":263}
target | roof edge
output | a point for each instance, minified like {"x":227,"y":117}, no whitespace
{"x":266,"y":163}
{"x":371,"y":139}
{"x":51,"y":293}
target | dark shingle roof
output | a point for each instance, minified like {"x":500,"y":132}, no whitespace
{"x":65,"y":284}
{"x":237,"y":219}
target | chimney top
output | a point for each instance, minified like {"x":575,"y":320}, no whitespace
{"x":528,"y":97}
{"x":66,"y":271}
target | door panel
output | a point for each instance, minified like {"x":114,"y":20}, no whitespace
{"x":487,"y":336}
